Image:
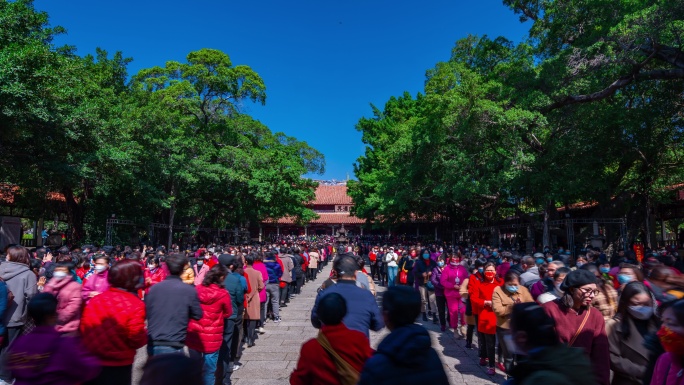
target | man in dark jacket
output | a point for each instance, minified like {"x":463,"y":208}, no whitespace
{"x":170,"y":304}
{"x":406,"y":355}
{"x":362,"y":310}
{"x":273,"y":285}
{"x":236,"y":285}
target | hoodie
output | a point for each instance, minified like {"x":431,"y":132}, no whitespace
{"x":558,"y":365}
{"x":206,"y":334}
{"x":405,"y":356}
{"x":21,"y":281}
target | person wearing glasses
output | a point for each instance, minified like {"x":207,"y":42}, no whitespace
{"x":580,"y":325}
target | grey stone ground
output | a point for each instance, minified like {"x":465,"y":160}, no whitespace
{"x":275,"y":355}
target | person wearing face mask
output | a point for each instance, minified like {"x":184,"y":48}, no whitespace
{"x":503,"y":300}
{"x":200,"y":269}
{"x":486,"y":325}
{"x":628,"y":273}
{"x":453,"y":279}
{"x":531,"y":274}
{"x":474,"y":281}
{"x":422,"y":270}
{"x":627,"y":332}
{"x":69,"y":301}
{"x":546,"y":284}
{"x":581,"y":261}
{"x":579,"y":324}
{"x":545,"y":360}
{"x":97,"y":283}
{"x":438,"y":293}
{"x":153,"y":273}
{"x":554,"y":292}
{"x":669,"y":367}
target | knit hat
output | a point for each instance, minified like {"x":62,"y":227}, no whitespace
{"x":577,"y":278}
{"x":227,"y":259}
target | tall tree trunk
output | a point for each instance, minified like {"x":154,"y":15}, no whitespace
{"x":546,"y":238}
{"x":172,"y":214}
{"x":75,"y":215}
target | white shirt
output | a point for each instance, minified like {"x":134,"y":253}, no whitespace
{"x":391,"y":259}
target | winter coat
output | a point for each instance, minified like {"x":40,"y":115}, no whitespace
{"x":200,"y":273}
{"x":253,"y":308}
{"x":404,"y":357}
{"x":628,"y":355}
{"x":69,"y":302}
{"x":503,"y":301}
{"x":486,"y":322}
{"x":473,"y":283}
{"x":557,"y":365}
{"x":288,"y":266}
{"x":260,"y":267}
{"x":435,"y":279}
{"x":531,"y":275}
{"x":667,"y":370}
{"x":206,"y":335}
{"x":155,"y":277}
{"x":21,"y":281}
{"x":298,"y":261}
{"x":448,"y":279}
{"x":46,"y":357}
{"x":113,"y":326}
{"x":422,"y":266}
{"x":314,"y":257}
{"x":316,"y":366}
{"x":274,"y":271}
{"x":188,"y":276}
{"x":96,"y":283}
{"x":237,"y":287}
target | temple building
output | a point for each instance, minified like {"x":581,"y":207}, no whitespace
{"x":333,"y":206}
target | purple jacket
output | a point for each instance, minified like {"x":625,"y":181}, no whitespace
{"x":68,"y":293}
{"x":45,"y":357}
{"x":260,"y":267}
{"x":538,"y":288}
{"x":95,"y":283}
{"x":448,"y":279}
{"x":435,"y":279}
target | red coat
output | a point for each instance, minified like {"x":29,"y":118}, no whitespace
{"x":113,"y":326}
{"x":315,"y":366}
{"x":486,"y":321}
{"x":473,"y":282}
{"x":156,"y":277}
{"x":206,"y":334}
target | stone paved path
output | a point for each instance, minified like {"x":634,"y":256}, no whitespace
{"x":275,"y":355}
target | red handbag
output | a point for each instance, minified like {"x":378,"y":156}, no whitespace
{"x":403,"y":275}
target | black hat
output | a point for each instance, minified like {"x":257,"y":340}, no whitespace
{"x":577,"y":278}
{"x":227,"y":259}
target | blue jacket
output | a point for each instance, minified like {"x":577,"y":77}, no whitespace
{"x":3,"y":304}
{"x":237,"y":286}
{"x":362,"y":310}
{"x":405,"y":356}
{"x":274,"y":271}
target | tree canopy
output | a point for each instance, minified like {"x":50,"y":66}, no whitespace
{"x":587,"y":108}
{"x":168,"y":144}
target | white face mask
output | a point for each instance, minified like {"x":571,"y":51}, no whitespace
{"x":100,"y":268}
{"x":150,"y":266}
{"x":59,"y":274}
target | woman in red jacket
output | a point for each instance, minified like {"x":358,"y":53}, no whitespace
{"x":113,"y":324}
{"x":153,"y":273}
{"x":486,"y":321}
{"x":473,"y":281}
{"x":206,"y":335}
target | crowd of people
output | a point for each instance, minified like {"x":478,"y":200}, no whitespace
{"x":549,"y":316}
{"x":80,"y":315}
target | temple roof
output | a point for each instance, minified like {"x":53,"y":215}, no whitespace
{"x":332,"y":195}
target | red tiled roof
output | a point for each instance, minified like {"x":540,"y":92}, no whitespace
{"x":327,"y":219}
{"x":332,"y":195}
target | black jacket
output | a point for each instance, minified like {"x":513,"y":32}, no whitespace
{"x":170,"y":304}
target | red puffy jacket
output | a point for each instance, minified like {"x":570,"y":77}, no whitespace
{"x":113,"y":326}
{"x":206,"y":334}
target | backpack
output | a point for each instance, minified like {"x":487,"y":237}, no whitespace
{"x":10,"y":296}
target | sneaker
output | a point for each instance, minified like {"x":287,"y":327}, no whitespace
{"x":501,"y":367}
{"x":261,"y":330}
{"x":483,"y":362}
{"x":462,"y":330}
{"x":277,"y":319}
{"x":236,"y":367}
{"x":491,"y":371}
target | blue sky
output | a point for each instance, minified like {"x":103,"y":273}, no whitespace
{"x":323,"y":61}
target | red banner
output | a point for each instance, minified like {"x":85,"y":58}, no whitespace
{"x":639,"y":250}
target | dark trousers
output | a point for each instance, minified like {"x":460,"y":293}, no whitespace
{"x":489,"y":342}
{"x":441,"y":308}
{"x":382,"y":274}
{"x":113,"y":375}
{"x":312,"y":273}
{"x":249,"y":328}
{"x":293,"y":287}
{"x":284,"y":292}
{"x":480,"y":341}
{"x":226,"y":355}
{"x":374,"y":270}
{"x":10,"y":335}
{"x":300,"y":283}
